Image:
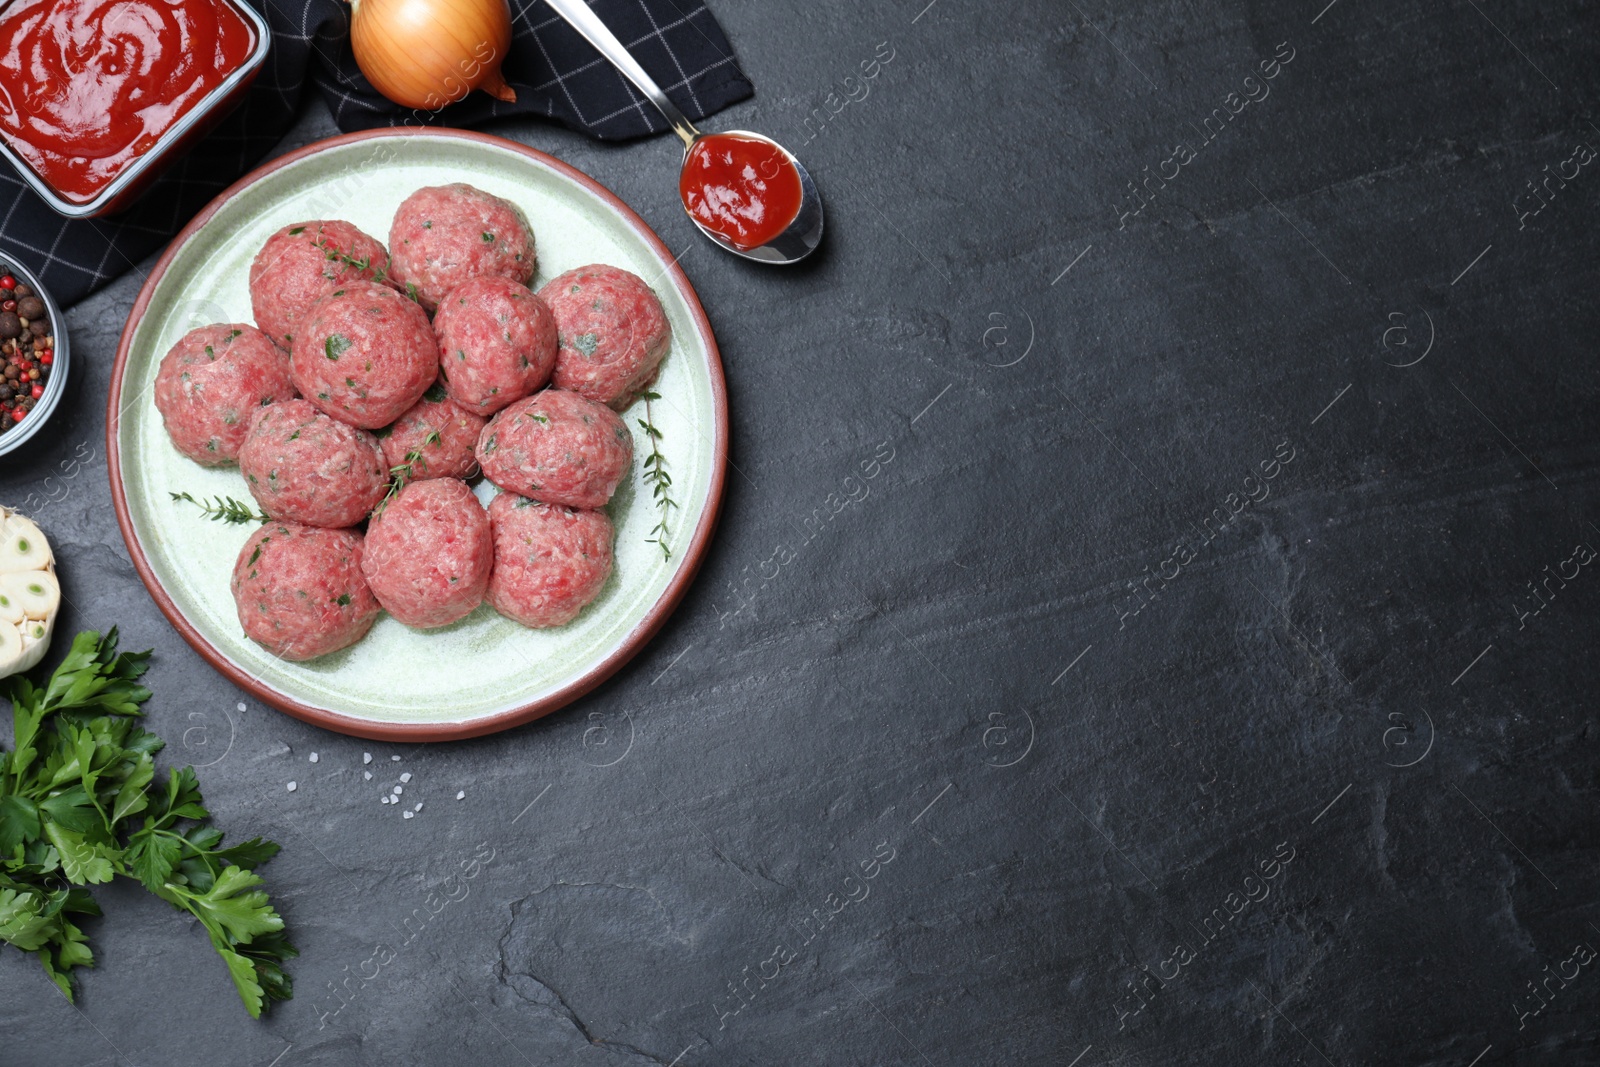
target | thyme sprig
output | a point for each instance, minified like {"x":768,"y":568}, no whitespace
{"x":656,"y":476}
{"x":362,"y":265}
{"x":401,"y":473}
{"x":224,"y":509}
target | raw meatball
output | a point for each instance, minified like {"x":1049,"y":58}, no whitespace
{"x":302,"y":466}
{"x":366,"y":354}
{"x":497,"y":343}
{"x":548,"y":561}
{"x":300,"y":592}
{"x":213,"y":383}
{"x":613,"y":333}
{"x":303,"y":263}
{"x":451,"y":456}
{"x":429,"y":552}
{"x":448,"y":234}
{"x":557,"y":447}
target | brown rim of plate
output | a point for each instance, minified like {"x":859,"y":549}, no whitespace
{"x":380,"y":731}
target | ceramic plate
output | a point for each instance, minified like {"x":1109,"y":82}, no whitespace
{"x":484,"y":673}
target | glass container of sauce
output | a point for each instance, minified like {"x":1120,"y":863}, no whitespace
{"x":97,"y":97}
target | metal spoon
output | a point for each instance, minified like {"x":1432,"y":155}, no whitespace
{"x":801,"y":237}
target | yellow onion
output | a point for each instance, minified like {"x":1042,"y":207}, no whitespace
{"x":428,"y":53}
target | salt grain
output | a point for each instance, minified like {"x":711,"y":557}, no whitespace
{"x":407,"y":814}
{"x":395,"y":758}
{"x":384,"y":799}
{"x":461,"y":795}
{"x":293,"y":786}
{"x":366,"y":757}
{"x":367,"y":775}
{"x":240,"y":706}
{"x":398,"y":790}
{"x":418,"y":807}
{"x":312,"y":757}
{"x":406,"y":777}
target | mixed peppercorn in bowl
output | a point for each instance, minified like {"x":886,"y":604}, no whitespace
{"x":33,"y":355}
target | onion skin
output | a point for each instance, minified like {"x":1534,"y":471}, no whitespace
{"x":425,"y":54}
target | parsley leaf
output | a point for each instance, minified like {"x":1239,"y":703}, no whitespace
{"x":81,"y":860}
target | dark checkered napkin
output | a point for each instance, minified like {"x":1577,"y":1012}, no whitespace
{"x":555,"y":72}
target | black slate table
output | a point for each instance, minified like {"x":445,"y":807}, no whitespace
{"x":1204,"y":675}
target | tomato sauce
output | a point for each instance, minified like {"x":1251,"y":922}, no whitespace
{"x":744,"y":190}
{"x":87,"y":86}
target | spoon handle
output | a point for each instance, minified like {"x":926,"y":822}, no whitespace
{"x":595,"y":32}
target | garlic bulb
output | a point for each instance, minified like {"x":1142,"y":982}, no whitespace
{"x":30,"y":596}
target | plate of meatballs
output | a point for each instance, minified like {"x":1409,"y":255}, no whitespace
{"x":417,"y":435}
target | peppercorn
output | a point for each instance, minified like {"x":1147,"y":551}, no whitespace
{"x":10,"y":324}
{"x":21,"y":291}
{"x":38,"y":327}
{"x":30,"y":307}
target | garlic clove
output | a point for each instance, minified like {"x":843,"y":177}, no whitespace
{"x":35,"y":643}
{"x":22,"y":546}
{"x":10,"y":648}
{"x":11,"y":609}
{"x":37,"y":592}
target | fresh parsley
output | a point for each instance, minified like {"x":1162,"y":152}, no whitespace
{"x":80,"y":804}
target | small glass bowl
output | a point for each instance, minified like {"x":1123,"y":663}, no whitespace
{"x":20,"y":432}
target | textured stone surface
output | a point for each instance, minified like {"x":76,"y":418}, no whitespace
{"x":949,"y":669}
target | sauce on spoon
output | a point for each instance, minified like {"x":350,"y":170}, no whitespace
{"x":743,"y":189}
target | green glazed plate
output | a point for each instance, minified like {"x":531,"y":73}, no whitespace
{"x":484,"y":673}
